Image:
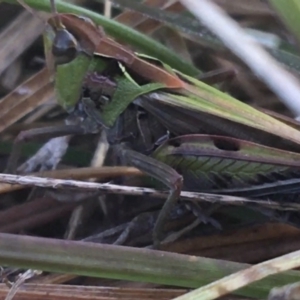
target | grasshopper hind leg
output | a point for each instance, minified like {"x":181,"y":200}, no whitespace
{"x":161,"y":172}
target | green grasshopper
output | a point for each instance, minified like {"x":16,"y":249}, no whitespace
{"x":141,"y":102}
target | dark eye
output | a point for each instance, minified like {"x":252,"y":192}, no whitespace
{"x":64,"y":47}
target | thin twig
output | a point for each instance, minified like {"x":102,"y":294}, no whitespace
{"x":138,"y":191}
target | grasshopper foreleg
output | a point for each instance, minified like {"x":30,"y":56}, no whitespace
{"x":46,"y":132}
{"x":77,"y":123}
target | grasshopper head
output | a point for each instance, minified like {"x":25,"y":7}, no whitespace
{"x":70,"y":43}
{"x":66,"y":58}
{"x":64,"y":47}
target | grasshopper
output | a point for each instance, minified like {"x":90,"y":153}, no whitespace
{"x":142,"y":103}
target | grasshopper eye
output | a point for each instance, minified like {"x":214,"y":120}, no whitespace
{"x":64,"y":47}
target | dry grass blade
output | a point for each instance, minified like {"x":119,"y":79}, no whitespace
{"x":17,"y":37}
{"x":240,"y":279}
{"x":42,"y":96}
{"x":29,"y":291}
{"x":148,"y":26}
{"x":255,"y":234}
{"x":23,"y":91}
{"x":33,"y":214}
{"x":253,"y":7}
{"x":36,"y":91}
{"x":132,"y":18}
{"x":253,"y":252}
{"x":142,"y":23}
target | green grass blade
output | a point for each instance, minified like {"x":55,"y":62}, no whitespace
{"x":205,"y":98}
{"x":123,"y":33}
{"x":117,"y":262}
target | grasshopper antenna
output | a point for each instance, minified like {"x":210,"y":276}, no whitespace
{"x":53,"y":7}
{"x":59,"y":23}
